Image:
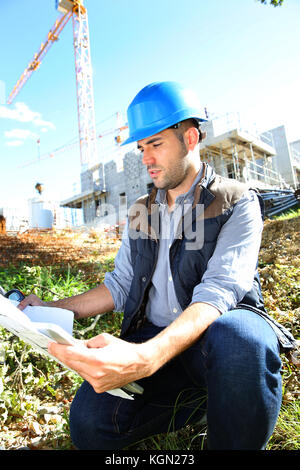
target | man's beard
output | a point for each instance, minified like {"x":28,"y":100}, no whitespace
{"x":174,"y":176}
{"x":173,"y":179}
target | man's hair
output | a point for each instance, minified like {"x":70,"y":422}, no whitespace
{"x":183,"y":126}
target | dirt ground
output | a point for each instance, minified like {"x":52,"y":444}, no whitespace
{"x":51,"y":247}
{"x":280,"y":243}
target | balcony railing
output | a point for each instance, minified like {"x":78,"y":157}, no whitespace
{"x":254,"y":171}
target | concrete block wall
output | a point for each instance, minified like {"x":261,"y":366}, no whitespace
{"x":86,"y":180}
{"x":89,"y":210}
{"x":136,"y":176}
{"x":114,"y":183}
{"x":92,"y":179}
{"x":131,"y":181}
{"x":99,"y":177}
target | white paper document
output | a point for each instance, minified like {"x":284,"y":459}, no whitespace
{"x":38,"y":326}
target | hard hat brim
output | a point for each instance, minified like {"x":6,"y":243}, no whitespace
{"x":158,"y":127}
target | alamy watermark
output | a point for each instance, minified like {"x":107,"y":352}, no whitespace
{"x":184,"y":222}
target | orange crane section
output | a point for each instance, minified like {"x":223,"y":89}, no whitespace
{"x":38,"y":57}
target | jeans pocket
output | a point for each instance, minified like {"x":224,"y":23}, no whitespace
{"x":125,"y":415}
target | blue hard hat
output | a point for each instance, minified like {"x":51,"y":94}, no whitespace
{"x":158,"y":106}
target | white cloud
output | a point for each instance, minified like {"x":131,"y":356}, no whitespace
{"x":18,"y":137}
{"x":20,"y":134}
{"x":22,"y":113}
{"x":14,"y":143}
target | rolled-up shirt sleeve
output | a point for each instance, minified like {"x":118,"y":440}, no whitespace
{"x":119,"y":280}
{"x":230,"y":271}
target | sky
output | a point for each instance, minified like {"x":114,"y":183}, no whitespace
{"x":239,"y":56}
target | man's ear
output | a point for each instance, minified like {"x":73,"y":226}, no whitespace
{"x":192,"y":137}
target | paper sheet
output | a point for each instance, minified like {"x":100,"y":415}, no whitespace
{"x":27,"y":324}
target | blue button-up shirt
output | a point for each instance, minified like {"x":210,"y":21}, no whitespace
{"x":230,"y":270}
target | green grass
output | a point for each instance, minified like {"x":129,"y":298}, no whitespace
{"x":288,"y":214}
{"x":29,"y":381}
{"x":287,"y":432}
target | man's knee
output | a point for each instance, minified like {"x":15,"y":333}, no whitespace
{"x":242,"y":336}
{"x":243,"y":379}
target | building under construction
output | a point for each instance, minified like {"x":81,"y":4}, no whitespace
{"x":108,"y":190}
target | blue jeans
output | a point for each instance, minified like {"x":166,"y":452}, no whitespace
{"x":232,"y":373}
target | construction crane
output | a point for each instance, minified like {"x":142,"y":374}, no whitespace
{"x":70,"y":145}
{"x":83,"y":70}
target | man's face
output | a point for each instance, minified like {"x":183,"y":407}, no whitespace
{"x":166,"y":159}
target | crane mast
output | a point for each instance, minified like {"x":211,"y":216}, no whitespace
{"x":83,"y":72}
{"x":84,"y":88}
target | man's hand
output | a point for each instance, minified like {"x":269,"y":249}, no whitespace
{"x":31,"y":299}
{"x":105,"y":362}
{"x":92,"y":302}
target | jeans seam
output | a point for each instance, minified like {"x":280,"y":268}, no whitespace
{"x":114,"y":417}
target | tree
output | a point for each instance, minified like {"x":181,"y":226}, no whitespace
{"x":275,"y":3}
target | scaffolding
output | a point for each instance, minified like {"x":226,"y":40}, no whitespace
{"x":239,"y":154}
